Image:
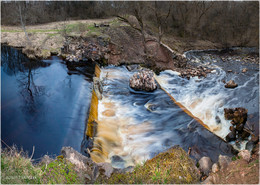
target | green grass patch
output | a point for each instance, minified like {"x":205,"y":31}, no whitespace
{"x":17,"y":168}
{"x":171,"y":167}
{"x":43,"y":31}
{"x":31,"y":31}
{"x":60,"y":171}
{"x":11,"y":31}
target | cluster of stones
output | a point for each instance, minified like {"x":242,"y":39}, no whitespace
{"x":239,"y":118}
{"x":199,"y":71}
{"x":143,"y":81}
{"x":208,"y":169}
{"x":84,"y":50}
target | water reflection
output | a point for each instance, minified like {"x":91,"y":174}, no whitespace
{"x":42,"y":103}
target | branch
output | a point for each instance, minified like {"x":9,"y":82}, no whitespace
{"x":128,"y":22}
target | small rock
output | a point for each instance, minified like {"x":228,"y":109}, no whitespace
{"x":217,"y":119}
{"x":229,"y":71}
{"x":205,"y":165}
{"x":245,"y":154}
{"x":215,"y":168}
{"x":231,"y":84}
{"x":223,"y":161}
{"x":244,"y":70}
{"x":208,"y":180}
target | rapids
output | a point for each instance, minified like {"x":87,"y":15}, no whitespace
{"x":207,"y":97}
{"x":134,"y":126}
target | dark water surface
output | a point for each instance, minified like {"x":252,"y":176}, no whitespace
{"x":43,"y":104}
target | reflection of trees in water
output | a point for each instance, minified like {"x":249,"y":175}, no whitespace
{"x":11,"y":60}
{"x":30,"y":92}
{"x":16,"y":63}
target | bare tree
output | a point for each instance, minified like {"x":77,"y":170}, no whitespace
{"x":22,"y":14}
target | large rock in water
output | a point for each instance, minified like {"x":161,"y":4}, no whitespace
{"x":143,"y":81}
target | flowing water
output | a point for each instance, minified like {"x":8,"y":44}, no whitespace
{"x":206,"y":98}
{"x":134,"y":126}
{"x":43,"y":103}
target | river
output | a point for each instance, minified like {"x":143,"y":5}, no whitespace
{"x":43,"y":103}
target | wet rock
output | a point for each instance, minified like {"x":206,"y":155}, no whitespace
{"x":231,"y":136}
{"x":240,"y":115}
{"x":229,"y":71}
{"x":143,"y":81}
{"x":231,"y":84}
{"x":231,"y":128}
{"x":254,"y":138}
{"x":134,"y":67}
{"x":98,"y":88}
{"x":223,"y":161}
{"x":215,"y":168}
{"x":245,"y":154}
{"x":205,"y":165}
{"x":217,"y":119}
{"x":228,"y":113}
{"x":245,"y":134}
{"x":250,"y":145}
{"x":244,"y":70}
{"x":118,"y":161}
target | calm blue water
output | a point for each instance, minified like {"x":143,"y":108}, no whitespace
{"x":41,"y":104}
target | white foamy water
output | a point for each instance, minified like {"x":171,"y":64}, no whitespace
{"x":206,"y":98}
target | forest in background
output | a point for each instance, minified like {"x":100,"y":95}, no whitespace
{"x":230,"y":23}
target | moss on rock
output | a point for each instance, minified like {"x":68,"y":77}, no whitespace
{"x":171,"y":167}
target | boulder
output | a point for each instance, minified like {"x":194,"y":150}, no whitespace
{"x":86,"y":167}
{"x":239,"y":117}
{"x":228,"y":113}
{"x":245,"y":154}
{"x":231,"y":84}
{"x":205,"y":165}
{"x":223,"y":161}
{"x":105,"y":169}
{"x":143,"y":81}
